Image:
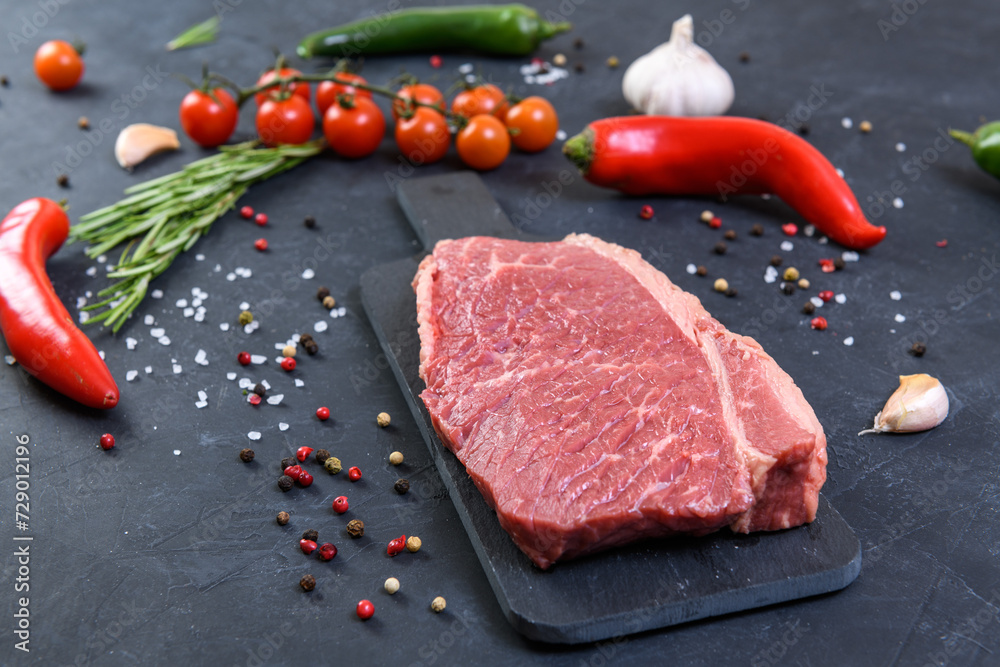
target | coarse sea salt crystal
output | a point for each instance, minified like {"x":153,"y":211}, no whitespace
{"x":849,"y":341}
{"x":148,"y":369}
{"x":850,"y":256}
{"x":282,"y":426}
{"x":84,"y":316}
{"x":202,"y":395}
{"x":561,"y":135}
{"x":157,"y":332}
{"x":100,"y":353}
{"x":895,"y":295}
{"x":465,"y":68}
{"x":691,"y":269}
{"x":816,"y":301}
{"x":156,"y":294}
{"x":177,"y":369}
{"x":196,"y":302}
{"x":199,"y":256}
{"x":199,"y":316}
{"x":224,"y":326}
{"x":244,"y":305}
{"x":9,"y":358}
{"x":809,"y":230}
{"x":823,"y":240}
{"x":248,"y":328}
{"x":900,"y":147}
{"x":148,"y":320}
{"x":131,"y":375}
{"x":840,"y":298}
{"x":189,"y":311}
{"x":230,"y":276}
{"x":299,"y":383}
{"x":846,"y":123}
{"x":254,"y":435}
{"x":770,"y":274}
{"x":181,"y":303}
{"x":279,"y":346}
{"x":101,"y":259}
{"x":900,"y":317}
{"x":308,"y":274}
{"x":320,"y":326}
{"x":231,"y":375}
{"x":92,"y":271}
{"x":897,"y":202}
{"x":177,"y":452}
{"x":130,"y":343}
{"x":201,"y":358}
{"x":257,"y":358}
{"x":245,"y":383}
{"x":275,"y":400}
{"x":840,"y":172}
{"x":163,"y":340}
{"x":265,"y":384}
{"x":787,"y":246}
{"x":81,"y":301}
{"x":201,"y":404}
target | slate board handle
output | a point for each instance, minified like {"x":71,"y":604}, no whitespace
{"x":449,"y":205}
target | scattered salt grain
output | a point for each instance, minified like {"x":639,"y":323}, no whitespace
{"x":92,"y":271}
{"x":299,"y":383}
{"x":840,"y":172}
{"x":100,"y":353}
{"x":9,"y":358}
{"x":561,"y":135}
{"x":156,"y":294}
{"x":897,"y":202}
{"x":224,"y":326}
{"x":900,"y":147}
{"x":265,"y":384}
{"x":230,"y":276}
{"x":320,"y":327}
{"x":275,"y":400}
{"x":465,"y":68}
{"x":199,"y":316}
{"x":823,"y":240}
{"x":201,"y":358}
{"x":850,"y":256}
{"x":201,"y":404}
{"x":248,"y":328}
{"x":181,"y":303}
{"x":840,"y":298}
{"x":895,"y":295}
{"x":200,"y":257}
{"x":245,"y":383}
{"x":177,"y":369}
{"x":188,"y":312}
{"x":257,"y":358}
{"x":163,"y":340}
{"x":254,"y":435}
{"x":691,"y":269}
{"x":244,"y":305}
{"x":770,"y":274}
{"x":157,"y":332}
{"x":816,"y":301}
{"x":308,"y":274}
{"x":101,"y":259}
{"x":787,"y":246}
{"x":849,"y":341}
{"x":282,"y":426}
{"x":130,"y":343}
{"x":84,"y":316}
{"x":900,"y":317}
{"x":809,"y":230}
{"x":846,"y":123}
{"x":177,"y":452}
{"x":231,"y":375}
{"x":815,"y":352}
{"x":218,"y":268}
{"x":131,"y":375}
{"x":202,"y":395}
{"x":149,"y":370}
{"x":148,"y":320}
{"x":81,"y":301}
{"x":196,"y":302}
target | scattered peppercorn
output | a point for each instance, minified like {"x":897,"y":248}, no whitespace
{"x":744,"y":57}
{"x":579,"y":67}
{"x":943,"y":243}
{"x":259,"y":389}
{"x":826,"y":295}
{"x":310,"y":534}
{"x":435,"y":61}
{"x":365,"y":610}
{"x":706,"y":216}
{"x":287,"y":462}
{"x":288,"y":364}
{"x":413,"y":544}
{"x":305,"y":479}
{"x":62,"y":180}
{"x":309,"y":221}
{"x":818,"y":323}
{"x":83,"y":123}
{"x":302,"y":453}
{"x":327,"y":551}
{"x":731,"y":292}
{"x":790,"y":229}
{"x":323,"y":414}
{"x":340,"y":504}
{"x":396,"y":458}
{"x":246,"y":455}
{"x":260,"y":244}
{"x":4,"y":81}
{"x":559,"y":60}
{"x":918,"y":349}
{"x":383,"y":419}
{"x":307,"y":546}
{"x":329,"y":302}
{"x":246,"y":317}
{"x":356,"y":528}
{"x":701,"y":271}
{"x":826,"y":265}
{"x":438,"y":604}
{"x":715,"y":222}
{"x":646,"y":212}
{"x":788,"y":288}
{"x":839,"y":263}
{"x":311,"y":347}
{"x":401,"y":486}
{"x":288,"y":351}
{"x":721,"y":285}
{"x":720,"y":248}
{"x":578,"y":43}
{"x":804,"y":129}
{"x":305,"y":338}
{"x":396,"y":546}
{"x":809,"y":308}
{"x":307,"y":582}
{"x":332,"y":465}
{"x":246,"y":212}
{"x":757,"y":230}
{"x":791,"y":274}
{"x":612,"y":62}
{"x":391,"y":585}
{"x":285,"y":483}
{"x":354,"y":473}
{"x":107,"y":441}
{"x":730,"y":234}
{"x":865,"y":126}
{"x":283,"y":518}
{"x":321,"y":456}
{"x":777,"y":260}
{"x":322,"y":293}
{"x":243,"y":358}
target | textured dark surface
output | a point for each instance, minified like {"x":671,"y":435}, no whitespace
{"x":144,"y":557}
{"x":695,"y":578}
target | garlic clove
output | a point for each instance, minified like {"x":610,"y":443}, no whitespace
{"x":138,"y":141}
{"x":920,"y":403}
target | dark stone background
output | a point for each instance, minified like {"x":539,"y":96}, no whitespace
{"x":144,"y":557}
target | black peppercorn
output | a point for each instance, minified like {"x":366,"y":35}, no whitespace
{"x":305,"y":338}
{"x":757,"y":230}
{"x":308,"y":582}
{"x":309,"y":222}
{"x":283,"y":518}
{"x":788,"y":288}
{"x":579,"y":67}
{"x":259,"y":389}
{"x":720,"y":248}
{"x":246,"y":455}
{"x":803,"y":129}
{"x":918,"y":349}
{"x":311,"y":535}
{"x":288,"y":462}
{"x":285,"y":483}
{"x":321,"y":456}
{"x":62,"y":181}
{"x":839,"y":263}
{"x":744,"y":57}
{"x":731,"y":291}
{"x":730,"y":234}
{"x":809,"y":308}
{"x":4,"y":81}
{"x":701,"y":271}
{"x":401,"y":486}
{"x":311,"y":347}
{"x":578,"y":43}
{"x":355,"y":528}
{"x":776,"y":260}
{"x":322,"y":293}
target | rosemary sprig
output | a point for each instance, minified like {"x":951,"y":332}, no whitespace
{"x":165,"y":216}
{"x":202,"y":33}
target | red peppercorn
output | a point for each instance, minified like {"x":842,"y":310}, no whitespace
{"x":254,"y":399}
{"x":293,"y":471}
{"x":365,"y":610}
{"x":107,"y":441}
{"x":340,"y":504}
{"x":943,"y":243}
{"x":288,"y":364}
{"x":354,"y":473}
{"x":307,"y":546}
{"x":260,"y":219}
{"x":396,"y":546}
{"x":323,"y":414}
{"x":790,"y":229}
{"x":327,"y":551}
{"x":827,"y":265}
{"x":246,"y":212}
{"x":305,"y":479}
{"x":646,"y":212}
{"x":436,"y":61}
{"x":243,"y":358}
{"x":818,"y":323}
{"x":715,"y":222}
{"x":826,"y":295}
{"x":260,"y":244}
{"x":302,"y":453}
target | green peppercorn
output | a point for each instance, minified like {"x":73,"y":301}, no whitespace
{"x":283,"y":518}
{"x":322,"y":293}
{"x":321,"y":456}
{"x":356,"y":528}
{"x":246,"y":317}
{"x":332,"y":465}
{"x":308,"y":582}
{"x":401,"y":486}
{"x":246,"y":455}
{"x":310,"y":535}
{"x":285,"y":483}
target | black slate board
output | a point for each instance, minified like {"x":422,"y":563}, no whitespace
{"x":627,"y":590}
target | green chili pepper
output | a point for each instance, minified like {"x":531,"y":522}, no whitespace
{"x":985,"y":145}
{"x":497,"y":30}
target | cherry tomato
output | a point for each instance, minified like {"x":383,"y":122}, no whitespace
{"x":58,"y":65}
{"x":298,"y":87}
{"x":534,"y":123}
{"x":209,"y":122}
{"x":483,"y":144}
{"x":486,"y":98}
{"x":420,"y":92}
{"x":328,"y":91}
{"x":354,"y":131}
{"x":423,"y":138}
{"x":288,"y":121}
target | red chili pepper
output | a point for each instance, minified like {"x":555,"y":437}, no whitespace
{"x":720,"y":156}
{"x":396,"y":546}
{"x":37,"y":327}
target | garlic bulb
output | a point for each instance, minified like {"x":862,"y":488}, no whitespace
{"x":678,"y":78}
{"x":918,"y":404}
{"x":138,"y":141}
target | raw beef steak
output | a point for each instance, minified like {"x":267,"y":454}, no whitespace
{"x":594,"y":403}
